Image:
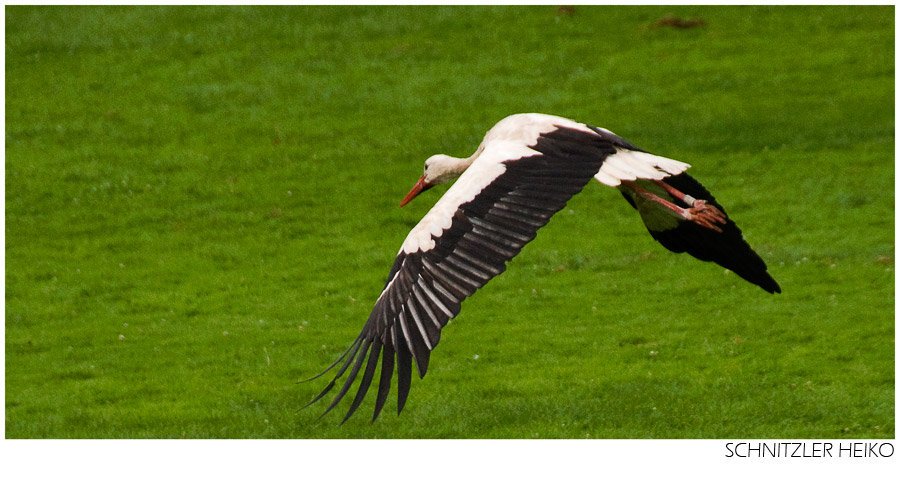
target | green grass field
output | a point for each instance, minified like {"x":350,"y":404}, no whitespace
{"x":201,"y":209}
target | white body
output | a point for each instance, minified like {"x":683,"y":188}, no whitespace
{"x":509,"y":140}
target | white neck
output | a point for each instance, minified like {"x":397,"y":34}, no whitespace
{"x":443,"y":168}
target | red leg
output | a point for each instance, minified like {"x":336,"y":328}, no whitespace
{"x":700,"y":212}
{"x":674,"y":192}
{"x":698,"y":204}
{"x":655,"y":198}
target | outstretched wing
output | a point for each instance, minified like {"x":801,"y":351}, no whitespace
{"x":728,"y":248}
{"x":509,"y":192}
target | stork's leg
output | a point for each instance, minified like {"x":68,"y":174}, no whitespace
{"x":674,"y":192}
{"x":695,"y":203}
{"x":700,"y":212}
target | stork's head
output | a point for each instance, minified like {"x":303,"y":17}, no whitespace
{"x":438,"y":169}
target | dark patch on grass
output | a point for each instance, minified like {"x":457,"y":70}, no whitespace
{"x":679,"y":23}
{"x":76,"y":375}
{"x":633,"y":341}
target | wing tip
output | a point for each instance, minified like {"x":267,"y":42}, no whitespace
{"x":770,"y":285}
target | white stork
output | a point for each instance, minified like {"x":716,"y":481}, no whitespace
{"x":525,"y":170}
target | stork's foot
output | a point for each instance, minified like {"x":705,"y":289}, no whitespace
{"x":706,"y":215}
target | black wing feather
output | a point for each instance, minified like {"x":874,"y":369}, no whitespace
{"x":350,"y":378}
{"x":404,"y":371}
{"x":384,"y":384}
{"x":366,"y":379}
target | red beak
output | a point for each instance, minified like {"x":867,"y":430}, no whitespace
{"x":418,"y":188}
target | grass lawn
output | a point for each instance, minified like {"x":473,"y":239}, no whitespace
{"x":201,"y":209}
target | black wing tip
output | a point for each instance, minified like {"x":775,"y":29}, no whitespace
{"x":770,"y":285}
{"x":379,"y":351}
{"x":366,"y":381}
{"x":760,"y":278}
{"x":422,"y":365}
{"x":320,"y":396}
{"x":752,"y":271}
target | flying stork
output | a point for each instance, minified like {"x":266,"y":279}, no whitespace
{"x":523,"y":172}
